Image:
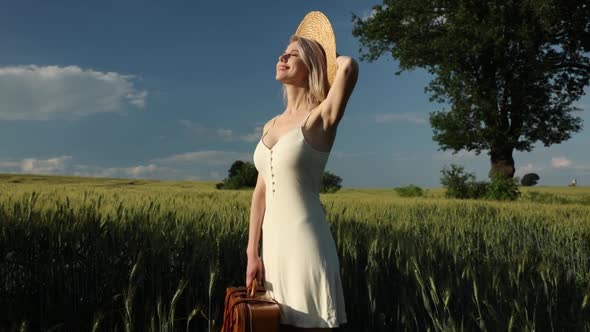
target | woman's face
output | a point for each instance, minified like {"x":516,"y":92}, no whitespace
{"x":290,"y":67}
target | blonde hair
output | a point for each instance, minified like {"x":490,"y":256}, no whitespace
{"x":314,"y":58}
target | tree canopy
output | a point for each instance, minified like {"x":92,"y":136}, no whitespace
{"x":240,"y":175}
{"x":510,"y":70}
{"x":529,"y":179}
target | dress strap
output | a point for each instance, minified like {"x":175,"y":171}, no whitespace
{"x":307,"y":117}
{"x":272,"y":125}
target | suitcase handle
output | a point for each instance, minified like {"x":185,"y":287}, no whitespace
{"x":253,"y":287}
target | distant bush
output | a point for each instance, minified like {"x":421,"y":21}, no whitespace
{"x":462,"y":185}
{"x":477,"y":189}
{"x":244,"y":175}
{"x":330,"y":183}
{"x":456,"y":181}
{"x":410,"y":191}
{"x":529,"y":179}
{"x":503,"y":189}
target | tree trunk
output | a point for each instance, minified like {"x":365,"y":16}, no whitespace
{"x":502,"y":161}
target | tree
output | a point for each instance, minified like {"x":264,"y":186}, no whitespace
{"x":241,"y":174}
{"x":510,"y":70}
{"x":330,"y":182}
{"x":235,"y":168}
{"x":529,"y":179}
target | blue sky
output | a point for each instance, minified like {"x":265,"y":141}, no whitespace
{"x":178,"y":90}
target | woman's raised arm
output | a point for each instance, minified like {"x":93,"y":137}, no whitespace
{"x":332,"y":108}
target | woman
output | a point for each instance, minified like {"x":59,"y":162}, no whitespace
{"x":301,"y":268}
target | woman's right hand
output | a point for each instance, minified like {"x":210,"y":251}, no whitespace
{"x":255,"y":269}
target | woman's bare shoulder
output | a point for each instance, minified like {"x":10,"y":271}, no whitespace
{"x":268,"y":124}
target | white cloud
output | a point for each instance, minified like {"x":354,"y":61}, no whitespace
{"x":36,"y":166}
{"x":225,"y":133}
{"x":208,"y":157}
{"x":9,"y":165}
{"x":560,"y":162}
{"x":199,"y":130}
{"x":48,"y":166}
{"x":461,"y":154}
{"x":253,"y":136}
{"x":528,"y":168}
{"x":584,"y":168}
{"x":192,"y":166}
{"x":404,"y":156}
{"x":63,"y":165}
{"x":139,"y":171}
{"x":340,"y":154}
{"x":370,"y":13}
{"x":138,"y":99}
{"x":52,"y":92}
{"x":410,"y":117}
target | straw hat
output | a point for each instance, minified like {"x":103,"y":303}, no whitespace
{"x":316,"y":26}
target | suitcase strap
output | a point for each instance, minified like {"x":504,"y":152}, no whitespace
{"x":251,"y":300}
{"x":229,"y":310}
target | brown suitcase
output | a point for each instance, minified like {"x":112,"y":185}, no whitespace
{"x":250,"y":310}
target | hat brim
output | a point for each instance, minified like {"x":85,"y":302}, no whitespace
{"x":316,"y":26}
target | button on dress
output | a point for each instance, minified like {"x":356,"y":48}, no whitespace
{"x":302,"y":270}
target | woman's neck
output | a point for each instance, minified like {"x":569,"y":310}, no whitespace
{"x":297,"y":100}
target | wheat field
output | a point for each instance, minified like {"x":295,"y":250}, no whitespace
{"x":144,"y":255}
